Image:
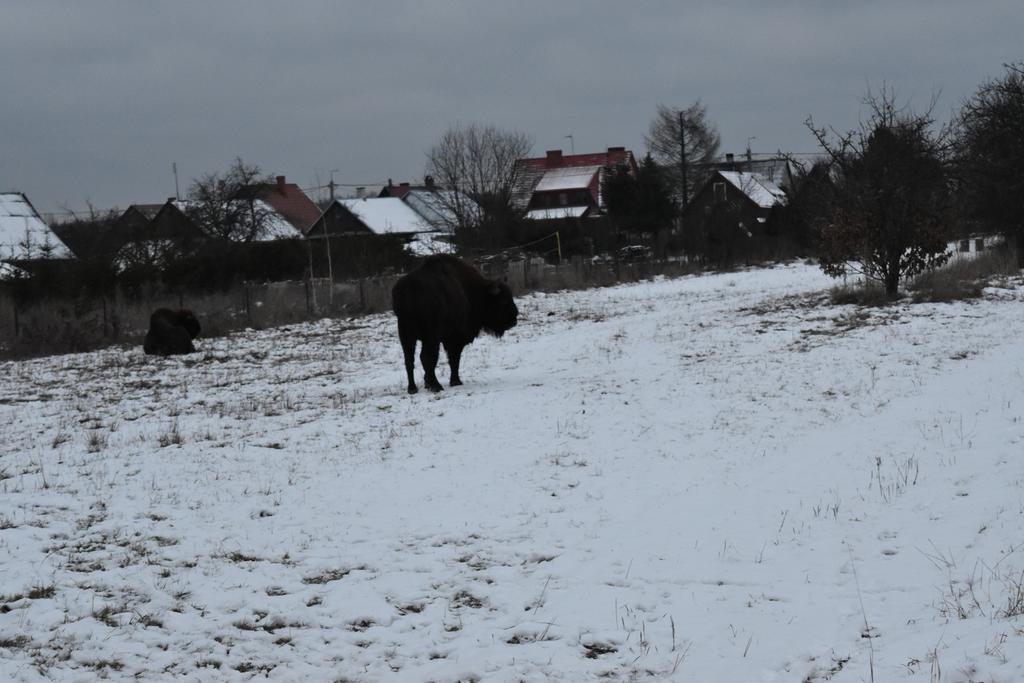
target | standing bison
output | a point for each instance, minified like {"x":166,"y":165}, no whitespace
{"x":171,"y":332}
{"x":446,"y":301}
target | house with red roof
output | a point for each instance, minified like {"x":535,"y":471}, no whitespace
{"x":561,"y":185}
{"x":291,"y":213}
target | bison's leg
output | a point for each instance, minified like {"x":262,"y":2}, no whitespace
{"x":177,"y":341}
{"x":408,"y":340}
{"x":149,"y":345}
{"x":454,"y":351}
{"x":428,"y":356}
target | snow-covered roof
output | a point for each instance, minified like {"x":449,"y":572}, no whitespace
{"x":572,"y":178}
{"x":386,"y":215}
{"x":761,"y":191}
{"x":436,"y":206}
{"x":23,"y":234}
{"x":275,"y":225}
{"x":557,"y":212}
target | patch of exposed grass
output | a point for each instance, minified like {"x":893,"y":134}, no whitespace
{"x":238,"y":556}
{"x":595,"y":650}
{"x":172,"y":437}
{"x":861,"y":294}
{"x":270,"y":625}
{"x":14,"y":642}
{"x":96,"y":442}
{"x":360,"y":625}
{"x":108,"y":615}
{"x":330,"y":575}
{"x":102,"y":664}
{"x":466,"y":599}
{"x":41,"y":592}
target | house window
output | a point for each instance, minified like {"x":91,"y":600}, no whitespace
{"x":979,"y":244}
{"x":563,"y":199}
{"x":965,"y":246}
{"x":719,"y":189}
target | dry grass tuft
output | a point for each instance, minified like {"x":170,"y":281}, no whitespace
{"x":964,"y":278}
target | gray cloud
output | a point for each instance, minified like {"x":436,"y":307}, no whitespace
{"x":99,"y":98}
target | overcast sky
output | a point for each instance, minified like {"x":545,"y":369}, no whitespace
{"x":99,"y":98}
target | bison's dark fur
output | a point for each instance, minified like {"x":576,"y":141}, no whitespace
{"x":171,"y":332}
{"x":446,"y":301}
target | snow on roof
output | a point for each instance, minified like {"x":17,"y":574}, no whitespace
{"x":557,"y":212}
{"x":275,"y":225}
{"x":436,"y":206}
{"x":573,"y":178}
{"x":761,"y":191}
{"x":386,"y":215}
{"x":23,"y":234}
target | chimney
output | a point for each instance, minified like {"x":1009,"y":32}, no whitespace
{"x":731,"y":160}
{"x":360,"y":192}
{"x":429,"y":181}
{"x":554,"y":157}
{"x":280,"y":184}
{"x":614,"y":150}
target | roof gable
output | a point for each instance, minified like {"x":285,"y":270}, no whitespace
{"x":288,"y":201}
{"x":386,"y":215}
{"x":566,"y":172}
{"x":23,"y":233}
{"x":756,"y":187}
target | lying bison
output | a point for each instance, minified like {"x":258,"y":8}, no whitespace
{"x":171,"y":332}
{"x":446,"y":301}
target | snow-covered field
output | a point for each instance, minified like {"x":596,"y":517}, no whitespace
{"x":716,"y":478}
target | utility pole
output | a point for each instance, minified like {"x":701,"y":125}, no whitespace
{"x":682,"y":156}
{"x":332,"y":185}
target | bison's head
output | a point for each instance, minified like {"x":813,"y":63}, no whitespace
{"x":500,"y":312}
{"x":187,"y":319}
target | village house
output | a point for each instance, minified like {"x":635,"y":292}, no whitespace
{"x":561,"y":185}
{"x":25,"y":239}
{"x":379,"y":216}
{"x":286,"y":210}
{"x":729,"y":218}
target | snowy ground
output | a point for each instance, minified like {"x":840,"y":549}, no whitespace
{"x":717,"y":478}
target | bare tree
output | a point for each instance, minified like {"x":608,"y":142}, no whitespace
{"x":991,"y":153}
{"x":477,"y":166}
{"x":702,"y":143}
{"x":228,"y":206}
{"x":890,"y":208}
